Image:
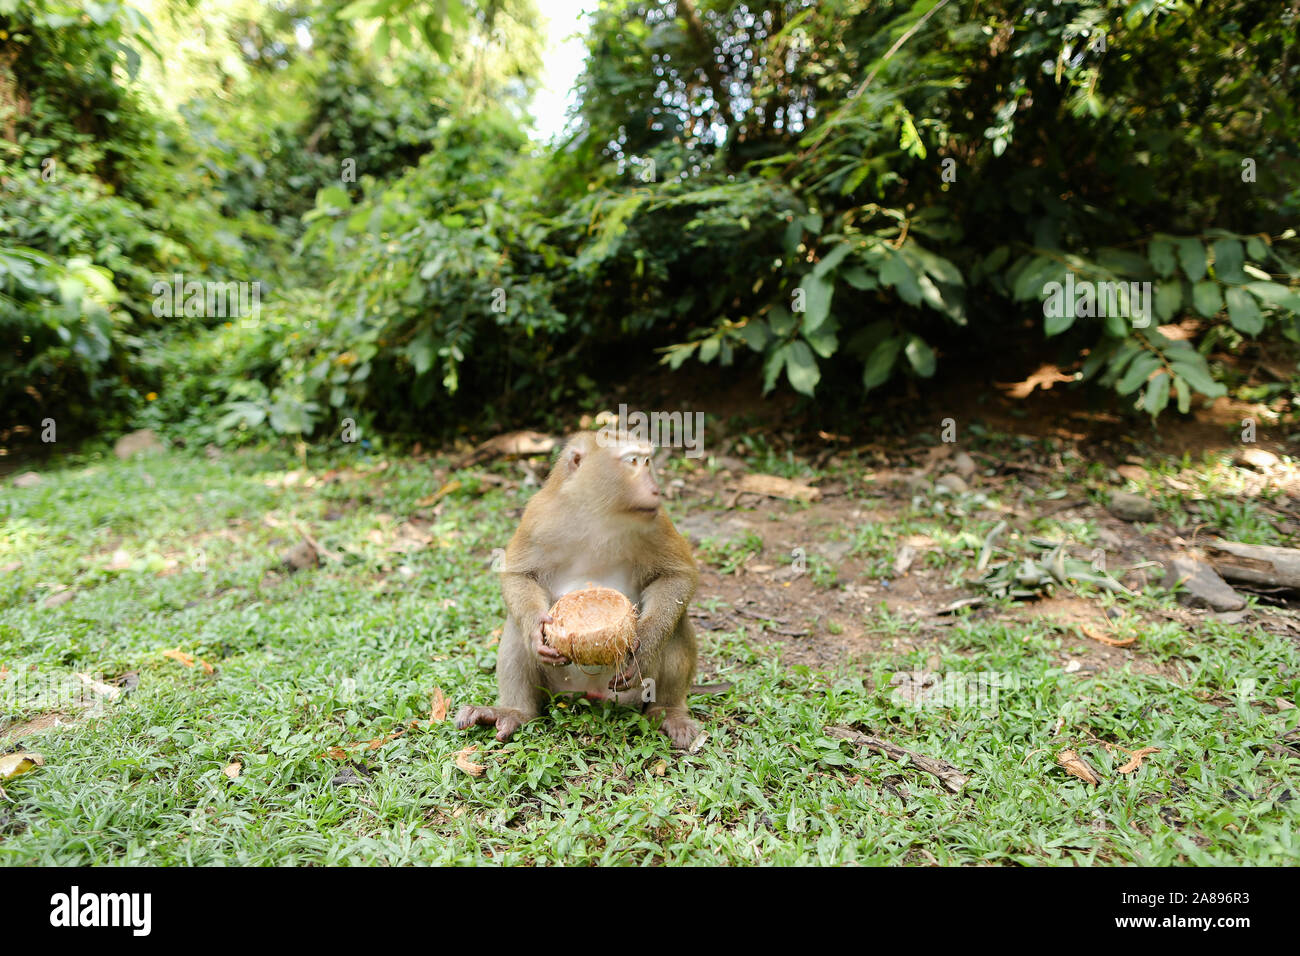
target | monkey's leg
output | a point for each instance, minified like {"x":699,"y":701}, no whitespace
{"x":676,"y":671}
{"x":519,"y":689}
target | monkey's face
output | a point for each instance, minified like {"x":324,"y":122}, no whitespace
{"x":640,"y":489}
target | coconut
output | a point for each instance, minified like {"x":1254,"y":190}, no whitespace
{"x":593,"y":626}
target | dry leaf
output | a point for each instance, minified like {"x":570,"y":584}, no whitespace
{"x":1108,"y":641}
{"x":438,"y":712}
{"x":4,"y":672}
{"x":659,"y":768}
{"x":180,"y":656}
{"x":380,"y":741}
{"x":1136,"y":758}
{"x":231,"y":770}
{"x":1044,"y":378}
{"x":463,"y":761}
{"x":437,"y":496}
{"x":1077,"y":766}
{"x":99,"y":687}
{"x":11,"y":765}
{"x":207,"y":668}
{"x":62,"y":597}
{"x":1281,"y":702}
{"x":335,"y":753}
{"x":775,"y":486}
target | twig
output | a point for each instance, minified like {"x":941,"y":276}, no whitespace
{"x":952,"y":778}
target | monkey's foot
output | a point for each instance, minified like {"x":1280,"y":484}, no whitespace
{"x":680,"y":729}
{"x":506,"y":719}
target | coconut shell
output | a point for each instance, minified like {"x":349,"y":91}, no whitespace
{"x":593,"y":626}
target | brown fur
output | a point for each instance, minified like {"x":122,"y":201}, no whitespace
{"x":598,"y":510}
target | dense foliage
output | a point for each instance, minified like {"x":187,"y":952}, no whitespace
{"x":841,"y":191}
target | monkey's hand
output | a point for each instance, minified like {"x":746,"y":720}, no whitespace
{"x":545,"y":653}
{"x":630,"y":676}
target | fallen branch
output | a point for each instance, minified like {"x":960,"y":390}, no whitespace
{"x":952,"y":778}
{"x":1255,"y":563}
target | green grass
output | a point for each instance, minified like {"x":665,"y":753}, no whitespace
{"x":353,"y":651}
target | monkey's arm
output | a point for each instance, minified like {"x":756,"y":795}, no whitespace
{"x":663,"y":602}
{"x":528,"y":607}
{"x":526,"y":599}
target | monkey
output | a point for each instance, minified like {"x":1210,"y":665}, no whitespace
{"x":598,"y":519}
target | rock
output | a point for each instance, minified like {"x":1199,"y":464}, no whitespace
{"x":1256,"y":458}
{"x":711,"y":524}
{"x":833,"y":551}
{"x":917,"y":483}
{"x":729,"y":463}
{"x":143,"y":442}
{"x":300,"y":557}
{"x":1131,"y":472}
{"x":62,"y":597}
{"x":953,"y":483}
{"x":1203,"y":585}
{"x":964,"y":464}
{"x":1231,"y":617}
{"x":1109,"y":539}
{"x":28,"y":479}
{"x":1129,"y":507}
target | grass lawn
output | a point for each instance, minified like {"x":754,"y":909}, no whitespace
{"x":323,"y":682}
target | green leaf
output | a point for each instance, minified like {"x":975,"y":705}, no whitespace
{"x":1184,"y":395}
{"x":781,"y":320}
{"x":1056,"y":324}
{"x":1257,"y":248}
{"x":920,"y":355}
{"x":772,"y":367}
{"x":1274,"y":293}
{"x":1207,"y":298}
{"x":333,"y":196}
{"x":755,"y":334}
{"x":421,"y":352}
{"x":880,"y":363}
{"x":824,"y":341}
{"x":1243,"y":312}
{"x":678,"y":354}
{"x":832,"y":259}
{"x":1157,"y":394}
{"x":1192,"y":255}
{"x":801,"y":368}
{"x":1040,"y":271}
{"x":935,"y":265}
{"x":898,"y":275}
{"x":1169,"y":299}
{"x":859,"y":278}
{"x":817,"y":301}
{"x":1161,"y":254}
{"x":1137,"y":373}
{"x":1228,"y":258}
{"x":1197,"y":373}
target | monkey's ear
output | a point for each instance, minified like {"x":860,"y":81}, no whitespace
{"x":575,"y":459}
